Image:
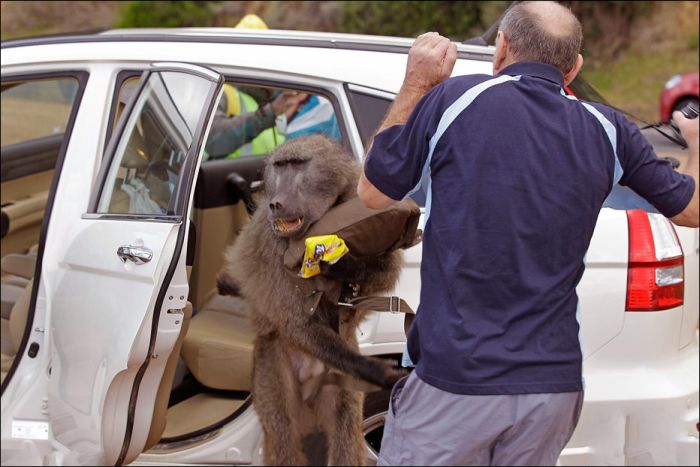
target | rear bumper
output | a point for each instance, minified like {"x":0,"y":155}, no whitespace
{"x":640,"y":416}
{"x":644,"y":433}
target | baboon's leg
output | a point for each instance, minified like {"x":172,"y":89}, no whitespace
{"x":271,"y":395}
{"x":341,"y":412}
{"x":315,"y":447}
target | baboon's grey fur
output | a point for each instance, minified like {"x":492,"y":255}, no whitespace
{"x":305,"y":177}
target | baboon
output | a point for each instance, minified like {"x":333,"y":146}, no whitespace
{"x":302,"y":180}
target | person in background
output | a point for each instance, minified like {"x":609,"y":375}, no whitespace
{"x":315,"y":115}
{"x":244,"y":122}
{"x":243,"y":127}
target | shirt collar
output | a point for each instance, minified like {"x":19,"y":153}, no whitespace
{"x":536,"y":69}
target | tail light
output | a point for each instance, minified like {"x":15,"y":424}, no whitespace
{"x":655,"y":274}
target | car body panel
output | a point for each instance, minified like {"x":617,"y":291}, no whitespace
{"x":111,"y":301}
{"x":339,"y":65}
{"x":91,"y":374}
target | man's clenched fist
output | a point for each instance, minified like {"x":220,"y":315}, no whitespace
{"x":430,"y":61}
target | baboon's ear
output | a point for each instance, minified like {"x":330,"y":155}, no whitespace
{"x":226,"y":285}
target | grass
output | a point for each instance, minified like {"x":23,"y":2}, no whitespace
{"x":25,"y":119}
{"x":635,"y":81}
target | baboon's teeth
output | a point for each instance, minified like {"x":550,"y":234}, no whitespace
{"x":286,"y":225}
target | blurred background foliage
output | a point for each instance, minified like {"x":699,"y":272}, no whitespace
{"x":631,"y":48}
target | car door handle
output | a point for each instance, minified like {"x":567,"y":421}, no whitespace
{"x":135,"y":254}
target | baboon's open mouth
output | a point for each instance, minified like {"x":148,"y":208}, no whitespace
{"x":288,"y":225}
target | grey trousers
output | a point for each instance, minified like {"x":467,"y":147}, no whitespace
{"x":429,"y":426}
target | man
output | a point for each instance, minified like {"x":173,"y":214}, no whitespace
{"x":516,"y":173}
{"x":315,"y":115}
{"x":243,"y":127}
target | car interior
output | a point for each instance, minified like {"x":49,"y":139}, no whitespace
{"x":207,"y":378}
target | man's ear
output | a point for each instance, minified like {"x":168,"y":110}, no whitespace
{"x":569,"y":77}
{"x":499,"y":57}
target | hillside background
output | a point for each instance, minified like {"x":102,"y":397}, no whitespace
{"x":631,"y":48}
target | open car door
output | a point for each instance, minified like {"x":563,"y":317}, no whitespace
{"x":117,"y":309}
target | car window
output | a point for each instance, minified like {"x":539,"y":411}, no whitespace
{"x":34,"y":117}
{"x":583,"y":90}
{"x":253,"y":120}
{"x":34,"y":109}
{"x":36,"y":112}
{"x":369,"y":107}
{"x":369,"y":111}
{"x":127,"y":90}
{"x":153,"y":145}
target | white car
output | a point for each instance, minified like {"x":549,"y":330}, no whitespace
{"x":116,"y":348}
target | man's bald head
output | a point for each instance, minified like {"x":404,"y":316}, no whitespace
{"x":545,"y":32}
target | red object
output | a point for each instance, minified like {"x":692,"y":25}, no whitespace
{"x":679,"y":89}
{"x":653,"y":283}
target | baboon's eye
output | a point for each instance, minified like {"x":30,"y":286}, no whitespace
{"x":291,"y":161}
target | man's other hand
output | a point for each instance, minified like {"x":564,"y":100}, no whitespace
{"x":689,"y":129}
{"x":689,"y":217}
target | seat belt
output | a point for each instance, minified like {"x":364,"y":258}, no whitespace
{"x":391,"y":304}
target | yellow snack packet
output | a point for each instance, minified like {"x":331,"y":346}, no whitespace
{"x":328,"y":248}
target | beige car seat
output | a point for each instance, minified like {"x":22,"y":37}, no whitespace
{"x":12,"y":337}
{"x":218,"y":348}
{"x":17,"y":270}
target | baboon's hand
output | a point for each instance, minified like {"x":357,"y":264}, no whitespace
{"x":384,"y":373}
{"x":348,"y":268}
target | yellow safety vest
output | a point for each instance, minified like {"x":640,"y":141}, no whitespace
{"x":238,"y":103}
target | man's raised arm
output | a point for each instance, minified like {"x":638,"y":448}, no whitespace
{"x":430,"y":61}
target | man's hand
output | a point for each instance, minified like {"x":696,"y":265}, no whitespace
{"x":430,"y":62}
{"x":690,"y":130}
{"x":288,"y":102}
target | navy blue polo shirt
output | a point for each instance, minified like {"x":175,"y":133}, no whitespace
{"x":516,"y":173}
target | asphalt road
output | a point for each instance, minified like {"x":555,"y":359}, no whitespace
{"x":663,"y":146}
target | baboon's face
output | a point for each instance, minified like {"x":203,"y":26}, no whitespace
{"x":299,"y":189}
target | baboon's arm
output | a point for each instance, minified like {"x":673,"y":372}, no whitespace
{"x":227,"y":285}
{"x":325,"y":344}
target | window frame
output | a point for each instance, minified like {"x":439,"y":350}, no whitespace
{"x":122,"y":76}
{"x":182,"y":189}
